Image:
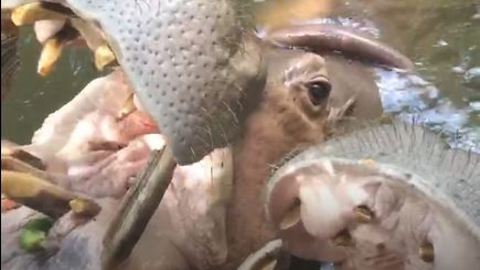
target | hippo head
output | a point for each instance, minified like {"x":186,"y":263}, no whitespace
{"x":189,"y":62}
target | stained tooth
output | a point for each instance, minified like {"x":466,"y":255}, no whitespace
{"x":292,"y":217}
{"x":363,"y":214}
{"x":343,"y":239}
{"x":426,"y":252}
{"x":52,"y":49}
{"x":30,"y":13}
{"x":103,"y":57}
{"x":127,"y":108}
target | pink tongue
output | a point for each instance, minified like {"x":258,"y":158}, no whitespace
{"x":136,"y":124}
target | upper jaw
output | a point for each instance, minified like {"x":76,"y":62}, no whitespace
{"x":195,"y":81}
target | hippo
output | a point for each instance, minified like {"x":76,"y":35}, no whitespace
{"x":210,"y":215}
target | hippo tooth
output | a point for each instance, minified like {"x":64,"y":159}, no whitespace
{"x":30,"y":13}
{"x":363,"y":214}
{"x":426,"y":252}
{"x":292,"y":217}
{"x":263,"y":259}
{"x":83,"y":207}
{"x":103,"y":57}
{"x":127,"y":108}
{"x":50,"y":54}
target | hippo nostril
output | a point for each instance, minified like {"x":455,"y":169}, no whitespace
{"x":318,"y":91}
{"x":292,"y":216}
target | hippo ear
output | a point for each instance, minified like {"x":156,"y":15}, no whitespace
{"x":328,"y":38}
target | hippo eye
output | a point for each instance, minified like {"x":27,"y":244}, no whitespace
{"x":318,"y":91}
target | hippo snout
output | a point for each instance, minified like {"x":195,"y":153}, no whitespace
{"x":370,"y":200}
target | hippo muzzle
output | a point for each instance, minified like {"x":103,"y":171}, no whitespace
{"x":387,"y":197}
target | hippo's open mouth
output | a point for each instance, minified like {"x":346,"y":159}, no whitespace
{"x":188,"y":62}
{"x":388,"y":197}
{"x":193,"y":65}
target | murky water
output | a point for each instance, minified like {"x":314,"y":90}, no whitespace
{"x":442,"y":37}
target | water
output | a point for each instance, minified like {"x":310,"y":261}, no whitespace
{"x":32,"y":97}
{"x":442,"y":37}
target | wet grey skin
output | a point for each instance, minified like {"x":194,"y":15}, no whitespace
{"x":420,"y":208}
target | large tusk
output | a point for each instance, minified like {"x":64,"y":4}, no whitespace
{"x":43,"y":196}
{"x":53,"y":47}
{"x":137,"y":209}
{"x":51,"y":52}
{"x":104,"y":56}
{"x":325,"y":37}
{"x":30,"y":13}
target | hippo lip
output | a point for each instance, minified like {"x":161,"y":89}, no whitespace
{"x":198,"y":81}
{"x":361,"y":195}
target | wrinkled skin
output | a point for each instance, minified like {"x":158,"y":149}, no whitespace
{"x":214,"y":203}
